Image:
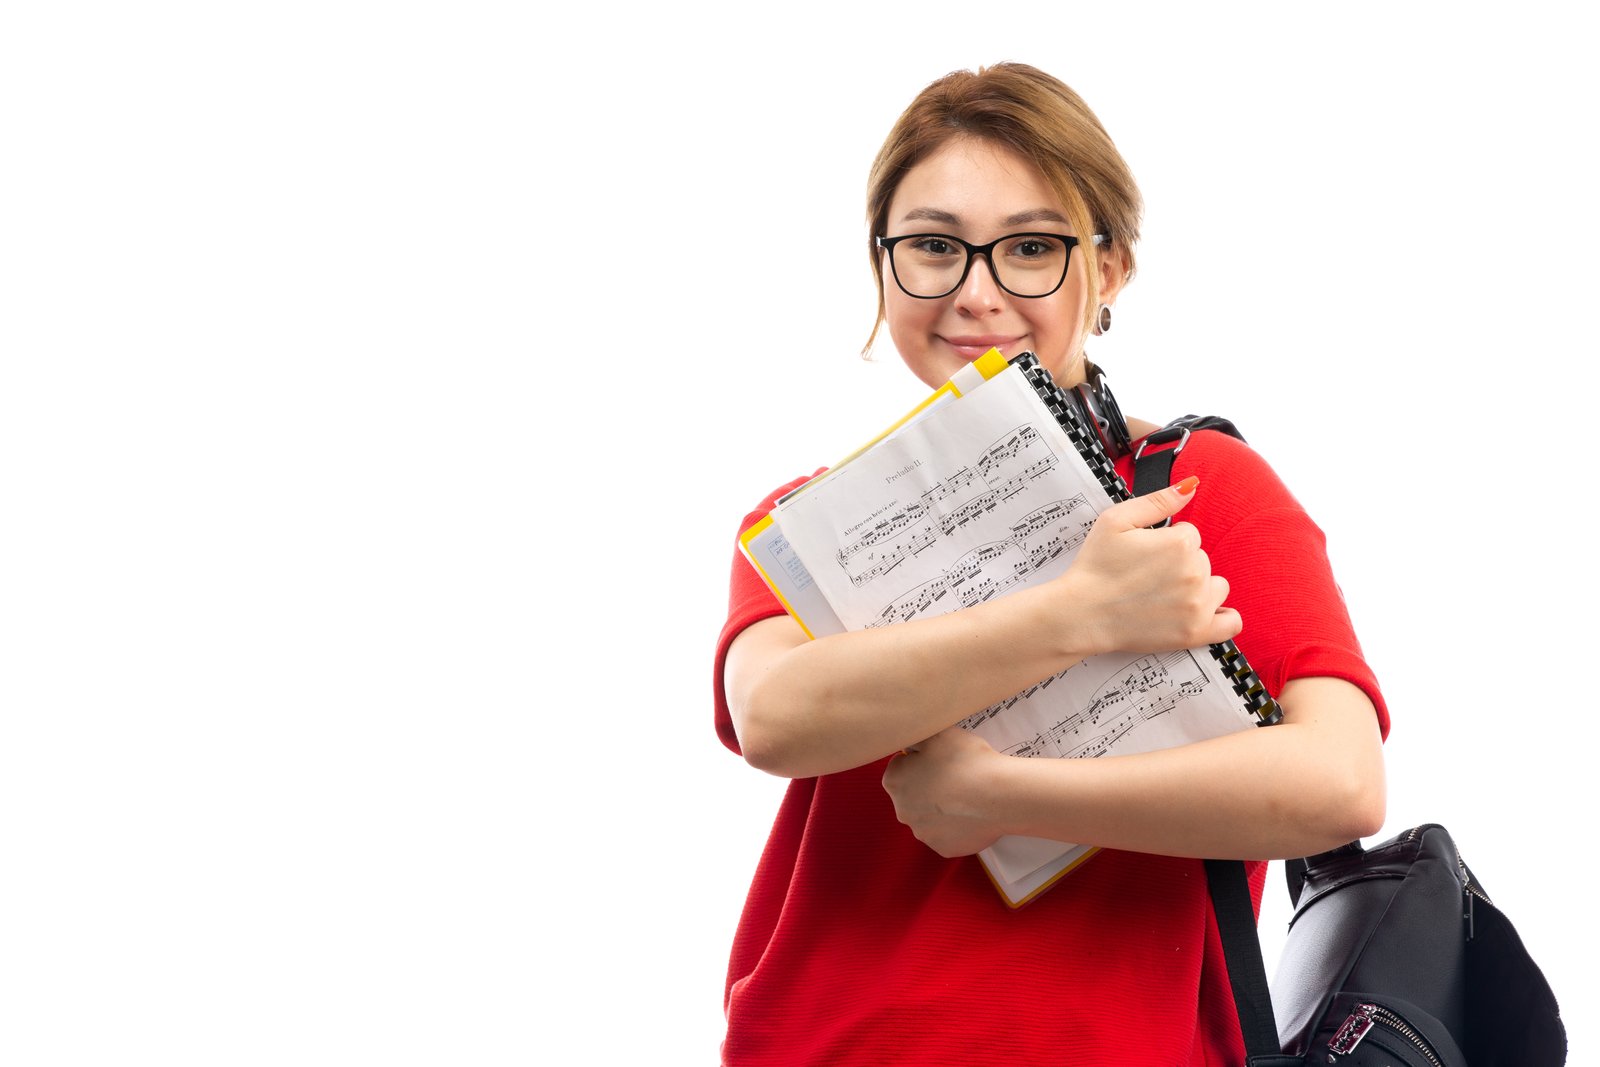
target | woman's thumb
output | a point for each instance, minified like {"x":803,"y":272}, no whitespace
{"x":1152,"y":508}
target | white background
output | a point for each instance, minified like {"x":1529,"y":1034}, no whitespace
{"x":383,"y":386}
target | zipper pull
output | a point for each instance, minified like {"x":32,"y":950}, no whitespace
{"x":1467,"y":895}
{"x":1354,"y":1029}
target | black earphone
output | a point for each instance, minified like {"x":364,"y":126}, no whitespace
{"x":1099,"y":409}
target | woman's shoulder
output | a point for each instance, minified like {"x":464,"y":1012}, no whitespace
{"x":1216,"y":450}
{"x":1235,"y":480}
{"x":770,"y":501}
{"x":1238,"y":487}
{"x":1213,"y":444}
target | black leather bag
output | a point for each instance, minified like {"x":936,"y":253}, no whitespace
{"x":1396,"y":956}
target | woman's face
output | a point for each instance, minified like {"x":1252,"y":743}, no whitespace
{"x":979,"y":191}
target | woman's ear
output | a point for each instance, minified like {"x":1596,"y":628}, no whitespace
{"x":1113,"y":272}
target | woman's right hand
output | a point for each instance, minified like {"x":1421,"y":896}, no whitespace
{"x":1134,"y":589}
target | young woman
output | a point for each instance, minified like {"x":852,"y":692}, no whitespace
{"x":1002,"y":215}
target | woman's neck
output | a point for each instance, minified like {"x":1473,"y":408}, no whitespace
{"x":1138,"y":428}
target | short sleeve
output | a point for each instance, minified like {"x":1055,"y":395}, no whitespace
{"x":749,"y":601}
{"x":1275,"y":558}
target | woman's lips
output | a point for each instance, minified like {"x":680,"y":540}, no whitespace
{"x":970,"y":348}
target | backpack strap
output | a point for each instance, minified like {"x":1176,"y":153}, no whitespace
{"x":1153,"y":470}
{"x":1226,"y":879}
{"x":1247,"y":971}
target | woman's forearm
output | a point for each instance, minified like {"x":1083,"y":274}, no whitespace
{"x":821,"y":706}
{"x":1310,"y":783}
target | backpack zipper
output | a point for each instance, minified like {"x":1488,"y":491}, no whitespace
{"x":1361,"y":1022}
{"x":1468,"y":893}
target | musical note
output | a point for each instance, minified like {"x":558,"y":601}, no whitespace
{"x":1006,"y":468}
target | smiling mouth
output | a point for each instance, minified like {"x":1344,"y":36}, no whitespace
{"x":971,"y":348}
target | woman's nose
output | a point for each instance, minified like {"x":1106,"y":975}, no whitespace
{"x":979,"y":291}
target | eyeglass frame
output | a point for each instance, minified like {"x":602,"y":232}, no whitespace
{"x":974,"y":251}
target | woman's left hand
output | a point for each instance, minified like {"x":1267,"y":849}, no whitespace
{"x":941,"y":788}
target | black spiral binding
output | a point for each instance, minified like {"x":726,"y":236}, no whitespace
{"x":1247,"y":684}
{"x":1234,"y":666}
{"x":1085,"y":440}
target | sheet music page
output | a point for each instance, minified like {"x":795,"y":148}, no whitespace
{"x":772,"y":554}
{"x":980,"y":498}
{"x":975,"y":499}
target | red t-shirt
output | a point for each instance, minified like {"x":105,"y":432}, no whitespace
{"x":860,"y":945}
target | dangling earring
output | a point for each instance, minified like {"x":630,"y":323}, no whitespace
{"x":1102,"y":320}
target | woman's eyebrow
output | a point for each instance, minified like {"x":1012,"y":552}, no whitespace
{"x":1021,"y":218}
{"x":930,"y":214}
{"x":1038,"y":214}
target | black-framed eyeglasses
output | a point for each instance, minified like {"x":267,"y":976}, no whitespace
{"x":1030,"y":265}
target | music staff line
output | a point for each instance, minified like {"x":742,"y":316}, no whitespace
{"x":1144,"y":690}
{"x":1004,"y":469}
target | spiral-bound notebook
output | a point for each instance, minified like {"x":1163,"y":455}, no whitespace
{"x":989,"y":486}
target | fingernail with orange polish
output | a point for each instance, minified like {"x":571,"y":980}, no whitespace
{"x":1186,"y":486}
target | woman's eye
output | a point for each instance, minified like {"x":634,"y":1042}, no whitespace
{"x":1031,"y":248}
{"x":934,"y":246}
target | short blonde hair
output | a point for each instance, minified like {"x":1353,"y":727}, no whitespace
{"x":1040,"y":119}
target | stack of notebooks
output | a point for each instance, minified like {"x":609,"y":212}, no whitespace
{"x":989,"y":486}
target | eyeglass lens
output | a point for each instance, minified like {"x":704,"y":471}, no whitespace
{"x":1027,"y":264}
